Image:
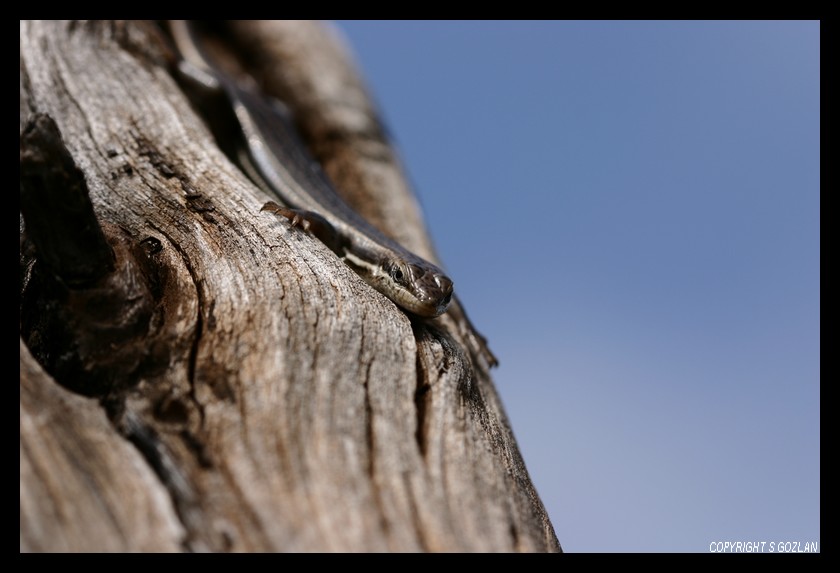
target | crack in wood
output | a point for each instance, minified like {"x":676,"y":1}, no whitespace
{"x":371,"y":447}
{"x":421,"y":398}
{"x":184,"y":498}
{"x":416,"y":520}
{"x":192,"y":359}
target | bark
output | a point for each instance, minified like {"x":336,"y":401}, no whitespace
{"x":196,"y":375}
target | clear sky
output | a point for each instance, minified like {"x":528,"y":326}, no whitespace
{"x":631,"y":213}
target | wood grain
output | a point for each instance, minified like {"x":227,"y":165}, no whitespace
{"x":277,"y":402}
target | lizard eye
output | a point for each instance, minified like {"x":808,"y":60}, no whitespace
{"x":396,"y":273}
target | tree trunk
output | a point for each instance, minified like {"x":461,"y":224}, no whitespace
{"x":197,"y":375}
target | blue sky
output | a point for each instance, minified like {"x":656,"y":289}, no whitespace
{"x":631,"y":213}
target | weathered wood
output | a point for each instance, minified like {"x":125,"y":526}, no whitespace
{"x":275,"y":402}
{"x":83,"y":487}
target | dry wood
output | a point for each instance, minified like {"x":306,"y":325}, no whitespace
{"x":263,"y":398}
